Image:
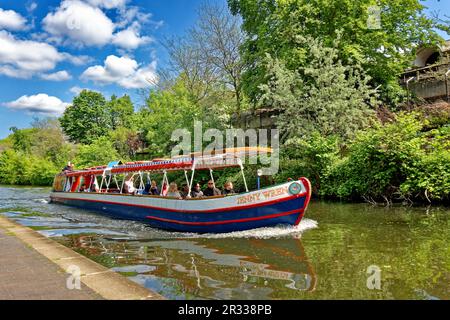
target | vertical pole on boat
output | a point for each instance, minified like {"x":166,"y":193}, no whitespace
{"x":167,"y":182}
{"x":212,"y":176}
{"x":259,"y":174}
{"x":192,"y":177}
{"x":115,"y":180}
{"x":91,"y":183}
{"x":66,"y":182}
{"x":163,"y":182}
{"x":107,"y":181}
{"x":243,"y":174}
{"x":141,"y":184}
{"x":187,"y":181}
{"x":123,"y":183}
{"x":103,"y":179}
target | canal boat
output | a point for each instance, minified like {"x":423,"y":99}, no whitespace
{"x":103,"y":189}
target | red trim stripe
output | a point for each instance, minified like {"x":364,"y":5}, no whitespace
{"x":208,"y":223}
{"x":261,"y":204}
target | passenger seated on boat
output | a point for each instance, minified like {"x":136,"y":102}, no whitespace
{"x":147,"y":188}
{"x":197,"y":192}
{"x":129,"y":186}
{"x":211,"y":190}
{"x":154,"y":189}
{"x":68,"y":168}
{"x":185,"y":192}
{"x":173,"y":191}
{"x":228,"y":189}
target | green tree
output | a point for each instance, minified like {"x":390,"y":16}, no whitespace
{"x":22,"y":139}
{"x":127,"y":142}
{"x":49,"y":142}
{"x":275,"y":27}
{"x":100,"y":152}
{"x":325,"y":96}
{"x":87,"y":118}
{"x":10,"y":171}
{"x":167,"y":110}
{"x":120,"y":111}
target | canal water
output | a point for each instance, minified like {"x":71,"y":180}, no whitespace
{"x":339,"y":251}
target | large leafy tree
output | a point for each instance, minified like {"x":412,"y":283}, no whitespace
{"x":49,"y":141}
{"x":87,"y":118}
{"x":325,"y":96}
{"x":274,"y":27}
{"x":22,"y":139}
{"x":120,"y":111}
{"x":100,"y":151}
{"x":165,"y":111}
{"x":127,"y":142}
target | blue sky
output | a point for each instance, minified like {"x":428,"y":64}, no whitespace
{"x":50,"y":49}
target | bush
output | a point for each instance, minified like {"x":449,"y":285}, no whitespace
{"x":18,"y":168}
{"x":10,"y":167}
{"x":430,"y":178}
{"x":394,"y":161}
{"x":42,"y":172}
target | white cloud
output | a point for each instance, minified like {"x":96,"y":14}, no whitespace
{"x":108,"y":4}
{"x":57,"y":76}
{"x":83,"y":23}
{"x":26,"y":58}
{"x":31,"y":7}
{"x":78,"y":22}
{"x":77,"y":60}
{"x":132,"y":14}
{"x":13,"y":72}
{"x":122,"y":71}
{"x":130,"y":38}
{"x":76,"y":90}
{"x":11,"y":20}
{"x":40,"y":103}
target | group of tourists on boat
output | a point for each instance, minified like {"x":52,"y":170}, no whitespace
{"x":168,"y":190}
{"x":196,"y":191}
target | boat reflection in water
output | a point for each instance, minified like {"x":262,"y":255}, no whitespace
{"x":208,"y":268}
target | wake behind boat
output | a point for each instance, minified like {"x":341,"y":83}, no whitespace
{"x":283,"y":204}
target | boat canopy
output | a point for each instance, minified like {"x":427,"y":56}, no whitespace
{"x":225,"y":158}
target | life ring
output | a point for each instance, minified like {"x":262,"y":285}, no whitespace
{"x":295,"y":188}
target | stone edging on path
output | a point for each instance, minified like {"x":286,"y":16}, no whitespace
{"x":103,"y":281}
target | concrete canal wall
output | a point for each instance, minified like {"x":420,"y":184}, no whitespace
{"x":34,"y":267}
